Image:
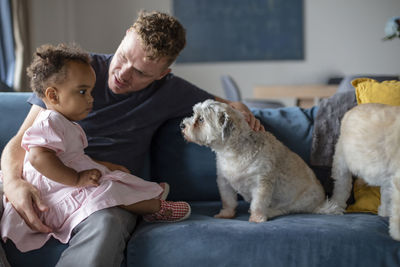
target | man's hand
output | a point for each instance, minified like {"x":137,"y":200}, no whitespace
{"x":254,"y":123}
{"x":23,"y":196}
{"x":88,"y":178}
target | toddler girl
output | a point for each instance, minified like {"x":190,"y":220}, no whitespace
{"x":72,"y":185}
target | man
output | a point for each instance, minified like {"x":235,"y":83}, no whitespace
{"x":134,"y":94}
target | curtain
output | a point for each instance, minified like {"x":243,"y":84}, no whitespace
{"x":20,"y":16}
{"x":7,"y":57}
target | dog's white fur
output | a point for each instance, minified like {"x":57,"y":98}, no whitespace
{"x":254,"y":164}
{"x":369,"y":148}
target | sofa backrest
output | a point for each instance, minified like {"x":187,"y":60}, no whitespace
{"x":190,"y":169}
{"x":13,"y":110}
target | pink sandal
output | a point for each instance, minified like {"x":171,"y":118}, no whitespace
{"x":170,"y":211}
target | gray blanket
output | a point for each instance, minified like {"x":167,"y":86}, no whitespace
{"x":327,"y":127}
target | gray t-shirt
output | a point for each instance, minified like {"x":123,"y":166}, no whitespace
{"x":120,"y":127}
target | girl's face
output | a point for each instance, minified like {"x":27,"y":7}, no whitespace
{"x":130,"y":70}
{"x":73,"y":97}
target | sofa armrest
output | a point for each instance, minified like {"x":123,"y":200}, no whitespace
{"x":13,"y":110}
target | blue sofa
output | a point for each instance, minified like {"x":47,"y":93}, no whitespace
{"x":357,"y":239}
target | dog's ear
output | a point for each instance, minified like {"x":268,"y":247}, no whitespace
{"x":222,"y":118}
{"x":226,"y":124}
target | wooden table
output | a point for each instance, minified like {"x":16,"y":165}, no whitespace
{"x":305,"y":95}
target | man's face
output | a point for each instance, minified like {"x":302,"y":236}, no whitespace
{"x":130,"y":70}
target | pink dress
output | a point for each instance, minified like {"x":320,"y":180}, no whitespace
{"x":68,"y":206}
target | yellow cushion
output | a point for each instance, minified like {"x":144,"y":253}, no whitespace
{"x":367,"y":198}
{"x":372,"y":91}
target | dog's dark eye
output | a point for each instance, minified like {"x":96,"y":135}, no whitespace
{"x":200,"y":119}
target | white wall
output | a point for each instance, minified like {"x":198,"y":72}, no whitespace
{"x":342,"y":37}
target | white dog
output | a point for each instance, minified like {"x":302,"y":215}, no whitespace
{"x":254,"y":164}
{"x":369,"y":148}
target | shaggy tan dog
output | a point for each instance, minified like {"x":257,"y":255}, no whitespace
{"x":254,"y":164}
{"x":369,"y":148}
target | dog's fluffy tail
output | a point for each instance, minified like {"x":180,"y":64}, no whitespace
{"x":329,"y":207}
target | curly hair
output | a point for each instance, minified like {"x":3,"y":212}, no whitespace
{"x":162,"y":35}
{"x":48,"y":65}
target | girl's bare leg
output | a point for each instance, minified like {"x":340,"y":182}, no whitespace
{"x":144,"y":207}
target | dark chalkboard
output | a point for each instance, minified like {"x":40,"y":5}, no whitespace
{"x":238,"y":30}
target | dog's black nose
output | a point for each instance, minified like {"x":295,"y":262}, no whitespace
{"x":182,"y":126}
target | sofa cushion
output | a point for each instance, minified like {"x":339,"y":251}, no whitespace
{"x":372,"y":91}
{"x":293,"y":126}
{"x":293,"y":240}
{"x":13,"y":112}
{"x":345,"y":84}
{"x":366,"y":198}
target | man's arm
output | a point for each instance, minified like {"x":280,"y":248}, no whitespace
{"x":254,"y":123}
{"x":19,"y":192}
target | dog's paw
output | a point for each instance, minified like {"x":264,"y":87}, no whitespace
{"x":383,"y":211}
{"x":257,"y":218}
{"x":394,"y":232}
{"x":225,"y":214}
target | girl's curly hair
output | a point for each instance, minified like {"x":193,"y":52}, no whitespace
{"x":48,"y":65}
{"x":162,"y":35}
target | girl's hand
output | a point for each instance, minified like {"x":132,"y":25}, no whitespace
{"x":88,"y":178}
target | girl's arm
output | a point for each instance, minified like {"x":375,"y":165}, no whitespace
{"x":46,"y":162}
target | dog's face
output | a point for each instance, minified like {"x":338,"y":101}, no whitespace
{"x":212,"y":123}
